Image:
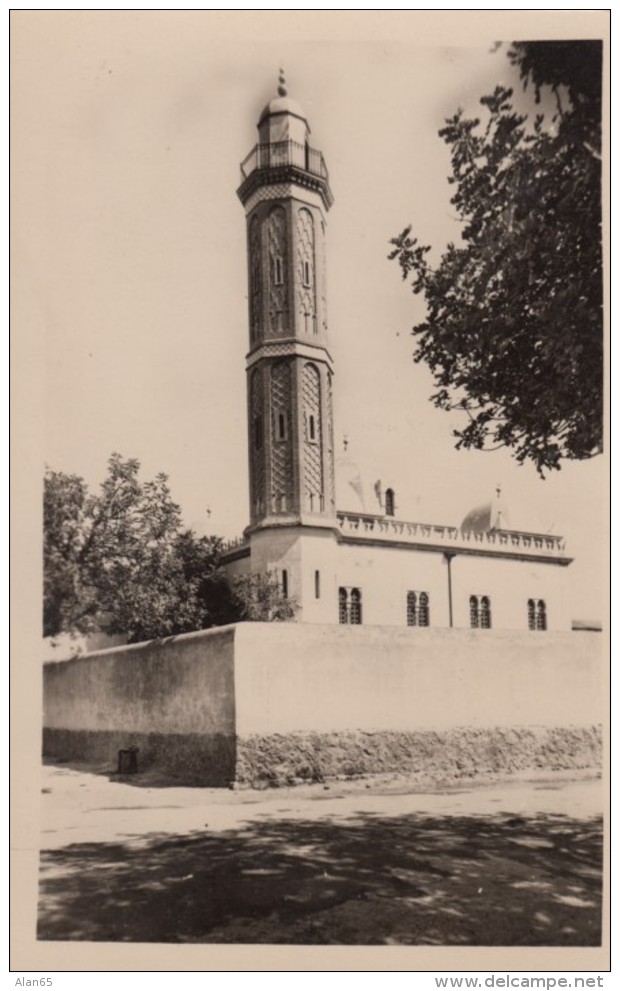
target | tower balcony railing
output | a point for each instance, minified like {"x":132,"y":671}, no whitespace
{"x":280,"y":153}
{"x":500,"y":541}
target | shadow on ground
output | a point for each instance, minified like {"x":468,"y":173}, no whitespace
{"x":475,"y":880}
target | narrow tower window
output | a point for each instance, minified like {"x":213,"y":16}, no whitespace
{"x":277,"y":275}
{"x":307,"y":273}
{"x":311,"y":427}
{"x":285,"y":583}
{"x":389,"y":502}
{"x":281,"y":426}
{"x":317,"y":584}
{"x":258,"y":432}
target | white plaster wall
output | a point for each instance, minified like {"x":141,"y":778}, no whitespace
{"x":386,"y":574}
{"x":301,"y":552}
{"x":179,"y":685}
{"x":509,"y":584}
{"x":291,"y":677}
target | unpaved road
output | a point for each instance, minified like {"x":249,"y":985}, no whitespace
{"x":498,"y":865}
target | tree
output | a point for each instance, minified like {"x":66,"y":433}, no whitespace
{"x":120,"y":562}
{"x":259,"y":598}
{"x":513,"y":331}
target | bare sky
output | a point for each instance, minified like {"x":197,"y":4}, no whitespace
{"x":129,"y":250}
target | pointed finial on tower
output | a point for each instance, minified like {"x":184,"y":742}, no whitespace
{"x":282,"y":91}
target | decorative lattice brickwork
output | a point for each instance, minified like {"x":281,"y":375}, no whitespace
{"x":312,"y":457}
{"x":255,"y":279}
{"x":277,"y":253}
{"x":281,"y":191}
{"x":281,"y":443}
{"x":330,"y":493}
{"x":323,"y":253}
{"x":257,"y":447}
{"x":306,"y":272}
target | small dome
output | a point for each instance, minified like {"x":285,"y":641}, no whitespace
{"x":481,"y":520}
{"x":491,"y":515}
{"x":282,"y":105}
{"x":350,"y":488}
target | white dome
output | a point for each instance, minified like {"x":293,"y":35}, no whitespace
{"x":282,"y":105}
{"x":350,"y":487}
{"x":495,"y":515}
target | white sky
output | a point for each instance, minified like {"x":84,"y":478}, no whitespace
{"x":129,"y":251}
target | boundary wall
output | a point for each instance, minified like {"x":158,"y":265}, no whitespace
{"x":288,"y":702}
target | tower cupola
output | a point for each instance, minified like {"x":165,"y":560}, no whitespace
{"x":283,"y":152}
{"x":283,"y":119}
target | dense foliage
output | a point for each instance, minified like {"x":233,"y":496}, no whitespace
{"x":513,"y":330}
{"x":259,"y":598}
{"x":120,"y":561}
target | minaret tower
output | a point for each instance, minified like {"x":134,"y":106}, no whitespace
{"x":286,"y":195}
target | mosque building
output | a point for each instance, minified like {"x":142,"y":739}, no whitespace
{"x":340,"y":551}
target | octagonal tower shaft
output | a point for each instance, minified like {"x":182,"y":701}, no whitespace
{"x":286,"y":195}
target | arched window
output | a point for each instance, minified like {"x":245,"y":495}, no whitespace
{"x":350,"y":606}
{"x":531,"y":614}
{"x":423,"y":610}
{"x":285,"y":583}
{"x":417,"y":609}
{"x":480,"y":612}
{"x":485,"y":613}
{"x":389,"y":502}
{"x":474,"y":616}
{"x":411,"y":609}
{"x":541,"y":615}
{"x":343,"y":605}
{"x":355,"y":610}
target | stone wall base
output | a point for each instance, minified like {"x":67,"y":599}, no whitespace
{"x":278,"y":759}
{"x":207,"y":760}
{"x":433,"y":757}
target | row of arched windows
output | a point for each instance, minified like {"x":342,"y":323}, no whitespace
{"x":480,"y":613}
{"x":418,"y":607}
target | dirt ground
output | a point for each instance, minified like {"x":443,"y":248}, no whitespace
{"x":357,"y":863}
